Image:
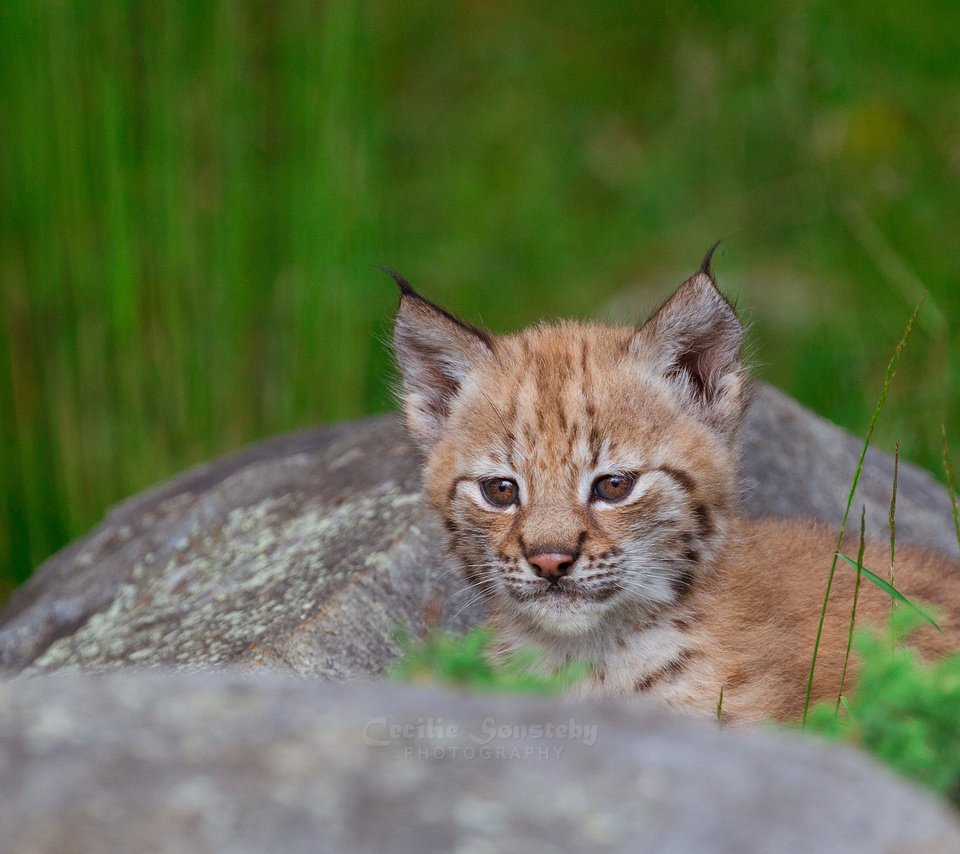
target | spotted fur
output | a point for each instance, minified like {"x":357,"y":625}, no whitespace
{"x":668,"y":591}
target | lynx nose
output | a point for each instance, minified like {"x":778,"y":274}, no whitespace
{"x":551,"y":565}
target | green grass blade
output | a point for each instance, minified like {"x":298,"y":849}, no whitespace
{"x":888,"y":378}
{"x":846,"y":706}
{"x":893,"y":515}
{"x":853,"y":610}
{"x":889,"y":589}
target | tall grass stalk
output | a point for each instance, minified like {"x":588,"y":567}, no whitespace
{"x":892,"y":517}
{"x":888,"y":378}
{"x":951,"y":485}
{"x":853,"y":609}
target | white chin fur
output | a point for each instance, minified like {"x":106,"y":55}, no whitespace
{"x":564,"y":618}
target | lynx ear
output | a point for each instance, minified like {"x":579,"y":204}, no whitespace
{"x":435,"y":352}
{"x":695,"y":339}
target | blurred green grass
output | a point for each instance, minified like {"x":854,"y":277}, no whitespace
{"x":194,"y":199}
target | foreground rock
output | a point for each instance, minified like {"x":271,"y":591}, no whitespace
{"x":216,"y":763}
{"x":305,"y":552}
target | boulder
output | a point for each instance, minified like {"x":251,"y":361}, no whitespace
{"x":219,"y":762}
{"x":306,"y":552}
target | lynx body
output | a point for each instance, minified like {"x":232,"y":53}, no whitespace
{"x":587,"y":477}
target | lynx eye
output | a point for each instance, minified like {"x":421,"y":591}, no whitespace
{"x":500,"y":491}
{"x":613,"y":487}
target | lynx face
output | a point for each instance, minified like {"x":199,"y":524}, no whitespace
{"x":585,"y":473}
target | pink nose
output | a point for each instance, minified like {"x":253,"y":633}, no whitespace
{"x":551,"y":565}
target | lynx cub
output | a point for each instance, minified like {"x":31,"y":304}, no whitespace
{"x":587,"y":477}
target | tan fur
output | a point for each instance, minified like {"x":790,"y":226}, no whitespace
{"x":671,"y":592}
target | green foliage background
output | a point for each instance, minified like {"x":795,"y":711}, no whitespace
{"x":195,"y":196}
{"x":904,"y":710}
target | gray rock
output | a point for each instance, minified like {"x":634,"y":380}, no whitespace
{"x":215,"y":763}
{"x":304,"y":553}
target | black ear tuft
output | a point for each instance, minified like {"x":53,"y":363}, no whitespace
{"x":708,"y":260}
{"x":406,"y":289}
